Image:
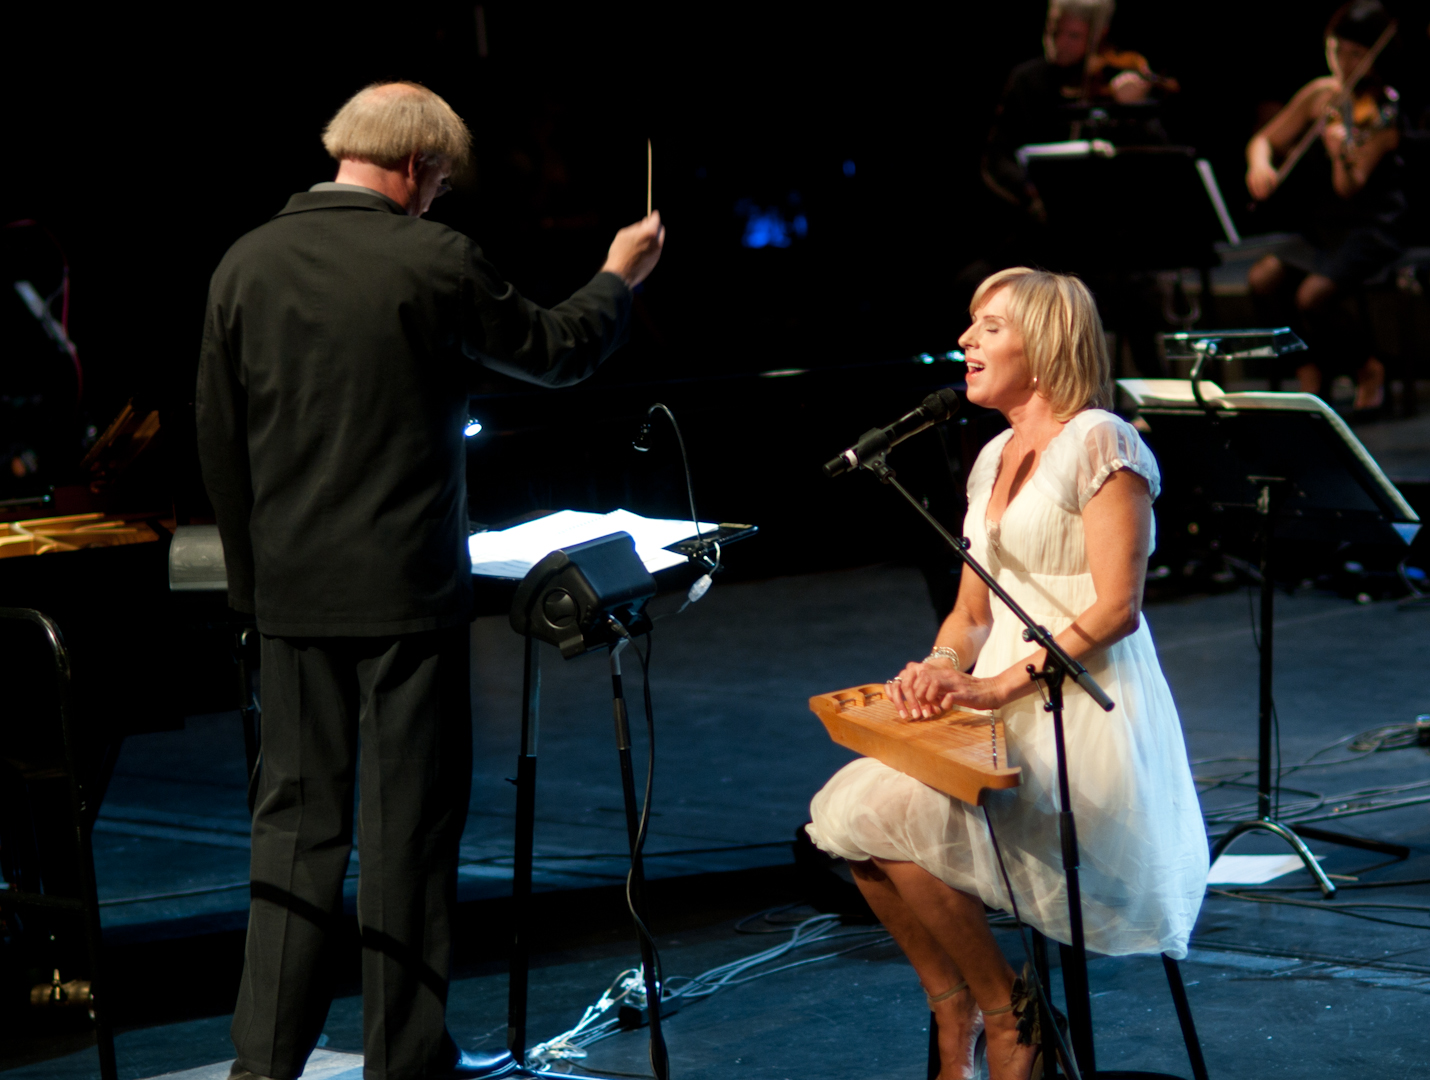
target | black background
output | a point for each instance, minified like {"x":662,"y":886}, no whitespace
{"x":147,"y":143}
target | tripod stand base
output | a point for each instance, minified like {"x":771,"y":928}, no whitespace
{"x":1270,"y":825}
{"x":1399,"y":851}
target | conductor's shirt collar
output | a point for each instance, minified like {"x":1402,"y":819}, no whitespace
{"x":331,"y":195}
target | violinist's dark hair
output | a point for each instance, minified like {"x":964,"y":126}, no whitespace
{"x":1360,"y":21}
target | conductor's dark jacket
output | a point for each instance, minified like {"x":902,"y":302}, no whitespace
{"x":338,"y":346}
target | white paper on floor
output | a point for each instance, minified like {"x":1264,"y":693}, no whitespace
{"x":1252,"y":869}
{"x":322,"y":1065}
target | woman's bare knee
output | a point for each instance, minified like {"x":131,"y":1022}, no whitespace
{"x":1314,"y":291}
{"x":868,"y":869}
{"x":1265,"y":275}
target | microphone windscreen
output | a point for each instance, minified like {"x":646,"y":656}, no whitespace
{"x":941,"y":404}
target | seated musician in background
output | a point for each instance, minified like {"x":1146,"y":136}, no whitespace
{"x":1350,"y":232}
{"x":338,"y":345}
{"x":1060,"y":511}
{"x":1080,"y":88}
{"x":1047,"y":97}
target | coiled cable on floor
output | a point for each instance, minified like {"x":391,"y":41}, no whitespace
{"x":599,"y":1021}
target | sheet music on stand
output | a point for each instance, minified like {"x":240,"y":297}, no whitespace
{"x":510,"y":553}
{"x":1337,"y":483}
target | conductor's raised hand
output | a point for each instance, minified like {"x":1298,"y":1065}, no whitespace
{"x":636,"y":249}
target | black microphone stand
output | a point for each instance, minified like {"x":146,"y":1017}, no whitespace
{"x":1058,"y":667}
{"x":635,"y":883}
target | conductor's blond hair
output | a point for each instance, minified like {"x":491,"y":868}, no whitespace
{"x":385,"y":122}
{"x":1062,"y":333}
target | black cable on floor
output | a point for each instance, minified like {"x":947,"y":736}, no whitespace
{"x":1325,"y":905}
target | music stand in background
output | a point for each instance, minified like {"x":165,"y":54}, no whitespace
{"x":1273,"y":468}
{"x":1107,"y":207}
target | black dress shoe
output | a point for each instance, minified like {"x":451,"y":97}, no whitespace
{"x":469,"y":1066}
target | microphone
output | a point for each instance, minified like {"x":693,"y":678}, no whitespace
{"x":932,"y":410}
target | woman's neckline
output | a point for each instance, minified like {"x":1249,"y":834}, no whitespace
{"x":998,"y":472}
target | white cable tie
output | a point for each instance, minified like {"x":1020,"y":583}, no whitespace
{"x":699,"y":589}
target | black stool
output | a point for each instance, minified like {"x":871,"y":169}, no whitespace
{"x":39,"y":747}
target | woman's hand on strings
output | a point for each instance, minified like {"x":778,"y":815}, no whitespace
{"x":925,"y":690}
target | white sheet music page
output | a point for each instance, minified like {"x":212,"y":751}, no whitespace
{"x":510,"y":553}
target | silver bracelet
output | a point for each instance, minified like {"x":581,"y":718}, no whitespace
{"x":943,"y":652}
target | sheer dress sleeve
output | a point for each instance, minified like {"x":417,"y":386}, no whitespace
{"x":1094,"y":446}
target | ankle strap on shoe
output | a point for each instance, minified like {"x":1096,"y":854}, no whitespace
{"x":934,"y":999}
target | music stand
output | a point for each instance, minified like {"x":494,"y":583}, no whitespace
{"x":580,"y":598}
{"x":538,"y":615}
{"x":1107,"y":206}
{"x":1275,"y":467}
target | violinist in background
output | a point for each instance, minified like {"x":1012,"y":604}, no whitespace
{"x":1351,"y":230}
{"x":1080,"y":88}
{"x":1052,"y":98}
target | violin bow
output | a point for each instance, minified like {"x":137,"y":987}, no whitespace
{"x":1314,"y":131}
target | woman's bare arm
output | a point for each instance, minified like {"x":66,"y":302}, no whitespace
{"x":1281,"y":132}
{"x":964,"y":631}
{"x":1117,"y":526}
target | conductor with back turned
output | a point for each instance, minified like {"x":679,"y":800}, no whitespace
{"x":339,"y":342}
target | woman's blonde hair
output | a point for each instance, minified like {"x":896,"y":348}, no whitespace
{"x":385,"y":122}
{"x":1062,"y":336}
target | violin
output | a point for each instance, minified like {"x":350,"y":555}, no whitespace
{"x":1107,"y":63}
{"x":1369,"y":108}
{"x":1366,"y":111}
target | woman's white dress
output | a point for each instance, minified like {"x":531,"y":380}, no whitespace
{"x":1142,"y":844}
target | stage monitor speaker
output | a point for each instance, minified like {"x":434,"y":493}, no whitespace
{"x":569,"y":598}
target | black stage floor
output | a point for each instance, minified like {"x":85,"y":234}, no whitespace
{"x":1306,"y":989}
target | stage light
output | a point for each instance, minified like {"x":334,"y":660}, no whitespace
{"x":849,"y":168}
{"x":473,"y":427}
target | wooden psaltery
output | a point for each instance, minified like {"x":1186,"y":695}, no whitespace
{"x":960,"y":753}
